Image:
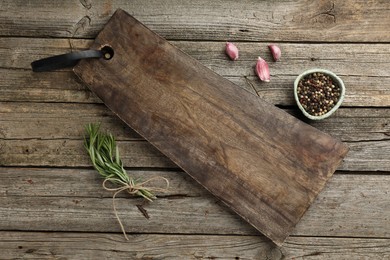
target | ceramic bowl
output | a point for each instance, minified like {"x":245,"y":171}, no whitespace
{"x":335,"y":79}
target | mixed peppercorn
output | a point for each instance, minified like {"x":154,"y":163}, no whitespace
{"x":318,"y":93}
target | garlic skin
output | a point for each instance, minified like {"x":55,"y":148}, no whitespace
{"x":262,"y":70}
{"x":231,"y":51}
{"x":276,"y":52}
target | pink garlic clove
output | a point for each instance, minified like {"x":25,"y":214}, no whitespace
{"x":276,"y":52}
{"x":262,"y":70}
{"x":231,"y":51}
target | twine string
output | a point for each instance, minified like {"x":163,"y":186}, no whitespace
{"x":132,"y":189}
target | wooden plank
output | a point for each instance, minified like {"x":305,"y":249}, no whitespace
{"x":100,"y":245}
{"x":354,"y":125}
{"x":362,"y":156}
{"x":290,"y":20}
{"x":263,"y":163}
{"x":366,"y":85}
{"x":352,"y":205}
{"x":296,"y":57}
{"x":347,"y":124}
{"x":58,"y":130}
{"x":368,"y":153}
{"x":22,"y":85}
{"x":334,"y":248}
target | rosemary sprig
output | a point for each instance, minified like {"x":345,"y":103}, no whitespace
{"x":104,"y":155}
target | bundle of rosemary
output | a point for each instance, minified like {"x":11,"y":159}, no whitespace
{"x":104,"y":155}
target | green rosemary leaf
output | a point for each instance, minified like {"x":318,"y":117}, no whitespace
{"x":117,"y":159}
{"x":147,"y":193}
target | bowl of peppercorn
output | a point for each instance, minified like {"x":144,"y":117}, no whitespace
{"x":318,"y":93}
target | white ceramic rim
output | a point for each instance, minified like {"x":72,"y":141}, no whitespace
{"x":334,"y":77}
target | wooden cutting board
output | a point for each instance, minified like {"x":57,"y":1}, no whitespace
{"x":263,"y":163}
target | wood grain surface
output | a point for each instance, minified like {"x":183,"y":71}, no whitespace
{"x":59,"y":143}
{"x":33,"y":199}
{"x":263,"y":163}
{"x":288,"y":20}
{"x":42,"y":117}
{"x":367,"y":85}
{"x":67,"y":245}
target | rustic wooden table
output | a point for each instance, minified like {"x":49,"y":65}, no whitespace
{"x":52,"y":205}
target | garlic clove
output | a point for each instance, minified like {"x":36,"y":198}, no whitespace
{"x":231,"y":51}
{"x":262,"y":70}
{"x":276,"y":52}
